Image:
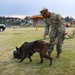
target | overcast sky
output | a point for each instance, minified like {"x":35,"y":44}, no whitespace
{"x":32,"y":7}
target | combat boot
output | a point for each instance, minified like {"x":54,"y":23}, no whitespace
{"x":58,"y":55}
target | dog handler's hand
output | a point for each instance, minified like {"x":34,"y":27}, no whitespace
{"x":64,"y":33}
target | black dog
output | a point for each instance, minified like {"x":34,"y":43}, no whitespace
{"x":29,"y":48}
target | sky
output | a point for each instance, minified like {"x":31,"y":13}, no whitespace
{"x":22,"y":8}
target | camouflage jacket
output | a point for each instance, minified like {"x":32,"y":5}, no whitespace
{"x":56,"y":21}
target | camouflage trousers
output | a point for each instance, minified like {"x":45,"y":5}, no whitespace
{"x":60,"y":38}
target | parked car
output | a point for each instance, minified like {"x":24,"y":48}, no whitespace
{"x":2,"y":27}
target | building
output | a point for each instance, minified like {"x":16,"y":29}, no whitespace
{"x":37,"y":19}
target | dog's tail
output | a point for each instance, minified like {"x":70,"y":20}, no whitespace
{"x":52,"y":43}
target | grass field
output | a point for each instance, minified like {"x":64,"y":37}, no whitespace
{"x":10,"y":66}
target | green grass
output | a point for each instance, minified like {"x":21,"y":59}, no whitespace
{"x":10,"y":66}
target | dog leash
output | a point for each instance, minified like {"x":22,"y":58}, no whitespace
{"x":69,"y":36}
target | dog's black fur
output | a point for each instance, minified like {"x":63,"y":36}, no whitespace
{"x":29,"y":48}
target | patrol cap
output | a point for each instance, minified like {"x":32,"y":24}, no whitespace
{"x":43,"y":11}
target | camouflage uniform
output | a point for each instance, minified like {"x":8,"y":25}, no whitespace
{"x":55,"y":26}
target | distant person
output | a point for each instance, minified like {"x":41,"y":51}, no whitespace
{"x":55,"y":28}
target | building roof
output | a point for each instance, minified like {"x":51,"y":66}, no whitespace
{"x":36,"y":17}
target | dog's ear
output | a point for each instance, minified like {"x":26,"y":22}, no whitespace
{"x":26,"y":42}
{"x":16,"y":48}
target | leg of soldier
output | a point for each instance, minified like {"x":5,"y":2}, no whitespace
{"x":60,"y":39}
{"x":52,"y":39}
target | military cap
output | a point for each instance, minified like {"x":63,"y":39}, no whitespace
{"x":43,"y":11}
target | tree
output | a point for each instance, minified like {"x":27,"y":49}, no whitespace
{"x":67,"y":19}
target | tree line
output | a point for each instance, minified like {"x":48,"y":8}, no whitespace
{"x":10,"y":21}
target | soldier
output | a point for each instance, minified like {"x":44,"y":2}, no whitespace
{"x":55,"y":28}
